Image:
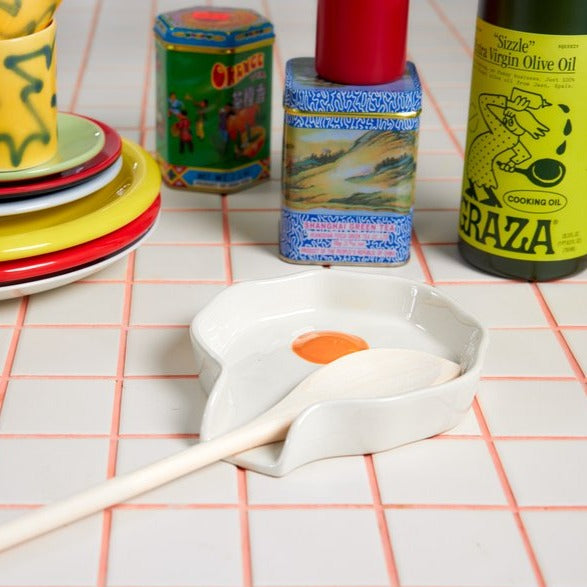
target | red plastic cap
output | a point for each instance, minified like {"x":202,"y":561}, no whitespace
{"x":361,"y":42}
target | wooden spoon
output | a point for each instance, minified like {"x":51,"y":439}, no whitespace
{"x":372,"y":373}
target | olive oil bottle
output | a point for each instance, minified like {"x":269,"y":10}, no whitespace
{"x":524,"y":196}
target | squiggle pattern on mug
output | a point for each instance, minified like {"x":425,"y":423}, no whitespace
{"x":12,"y":8}
{"x":33,"y":25}
{"x":35,"y":86}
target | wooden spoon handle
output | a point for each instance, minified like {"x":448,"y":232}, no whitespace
{"x":260,"y":431}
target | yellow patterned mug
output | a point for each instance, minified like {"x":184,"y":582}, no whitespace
{"x":19,"y":18}
{"x":28,"y":109}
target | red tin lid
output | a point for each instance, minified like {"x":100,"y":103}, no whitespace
{"x":361,"y":42}
{"x":213,"y":27}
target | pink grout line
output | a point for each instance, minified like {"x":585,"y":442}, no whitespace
{"x":226,"y":244}
{"x":547,"y":327}
{"x":451,"y":27}
{"x":173,"y":209}
{"x":452,"y":210}
{"x":384,"y":533}
{"x":553,"y":324}
{"x":160,"y":436}
{"x":117,"y":402}
{"x":323,"y":506}
{"x":90,"y":436}
{"x":180,"y":281}
{"x":77,"y":326}
{"x":213,"y":244}
{"x":44,"y":376}
{"x":115,"y":424}
{"x":438,"y":179}
{"x":438,"y":152}
{"x":459,"y":149}
{"x":509,"y":494}
{"x":10,"y":355}
{"x":438,"y":243}
{"x":537,"y":438}
{"x":144,"y":128}
{"x":245,"y":535}
{"x":446,"y":437}
{"x":267,"y":585}
{"x":527,"y":378}
{"x":278,"y":59}
{"x":86,"y":55}
{"x":168,"y":376}
{"x":418,"y":250}
{"x":105,"y":326}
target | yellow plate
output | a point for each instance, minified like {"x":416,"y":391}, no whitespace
{"x":118,"y":203}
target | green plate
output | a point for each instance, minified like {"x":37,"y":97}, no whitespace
{"x":79,"y":139}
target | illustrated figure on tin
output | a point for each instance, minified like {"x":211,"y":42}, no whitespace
{"x":183,"y":126}
{"x":223,"y":115}
{"x":507,"y":121}
{"x":248,"y":136}
{"x":201,"y":107}
{"x":174,"y":105}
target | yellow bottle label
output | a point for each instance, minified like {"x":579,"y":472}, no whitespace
{"x":524,"y":192}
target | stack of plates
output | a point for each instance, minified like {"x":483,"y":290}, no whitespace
{"x":90,"y":205}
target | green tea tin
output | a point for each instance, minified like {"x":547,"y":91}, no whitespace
{"x":213,"y":68}
{"x":349,"y":168}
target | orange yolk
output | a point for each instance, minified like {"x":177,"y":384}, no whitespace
{"x":327,"y":345}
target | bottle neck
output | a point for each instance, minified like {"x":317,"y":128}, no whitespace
{"x":550,"y":17}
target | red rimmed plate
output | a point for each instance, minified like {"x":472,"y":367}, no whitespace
{"x":31,"y":268}
{"x":70,"y":177}
{"x":62,"y":278}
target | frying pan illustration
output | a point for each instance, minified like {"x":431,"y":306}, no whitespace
{"x":543,"y":172}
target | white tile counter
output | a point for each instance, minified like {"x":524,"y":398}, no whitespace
{"x":98,"y":378}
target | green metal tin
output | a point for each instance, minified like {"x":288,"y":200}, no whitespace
{"x":213,"y":98}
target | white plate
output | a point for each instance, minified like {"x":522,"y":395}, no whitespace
{"x":63,"y":196}
{"x":243,"y":345}
{"x":39,"y":285}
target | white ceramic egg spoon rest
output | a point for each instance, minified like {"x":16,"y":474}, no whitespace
{"x":373,"y":373}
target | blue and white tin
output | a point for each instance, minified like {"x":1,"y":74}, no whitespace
{"x":349,"y":163}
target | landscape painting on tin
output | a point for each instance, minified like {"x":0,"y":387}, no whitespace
{"x":348,"y":169}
